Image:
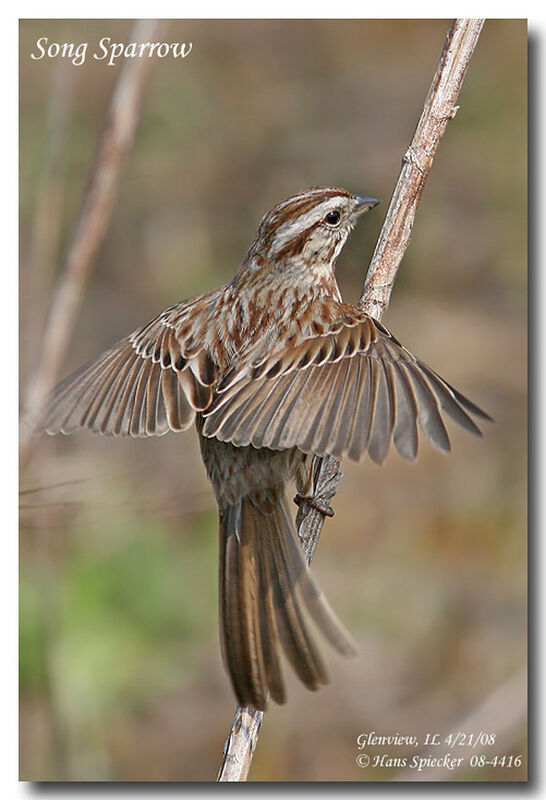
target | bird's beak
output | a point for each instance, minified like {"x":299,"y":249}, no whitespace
{"x":365,"y":203}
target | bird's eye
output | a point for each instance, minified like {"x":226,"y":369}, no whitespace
{"x":332,"y":218}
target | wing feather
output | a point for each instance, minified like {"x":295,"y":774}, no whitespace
{"x":365,"y":412}
{"x":383,"y":422}
{"x":122,"y":423}
{"x":405,"y":435}
{"x":429,"y":415}
{"x":347,"y":391}
{"x":317,"y":410}
{"x":335,"y":395}
{"x":452,"y":404}
{"x":107,"y":396}
{"x":294,"y":416}
{"x":151,"y":382}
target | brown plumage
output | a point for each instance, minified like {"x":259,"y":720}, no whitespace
{"x":275,"y":370}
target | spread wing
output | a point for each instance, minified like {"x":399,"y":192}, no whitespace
{"x":346,"y":392}
{"x":146,"y":384}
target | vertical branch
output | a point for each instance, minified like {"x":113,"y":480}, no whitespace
{"x":118,"y":136}
{"x":439,"y":108}
{"x":393,"y":240}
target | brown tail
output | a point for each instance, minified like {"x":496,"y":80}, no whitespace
{"x":267,"y":597}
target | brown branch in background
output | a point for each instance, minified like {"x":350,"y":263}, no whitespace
{"x":92,"y":223}
{"x":95,"y":214}
{"x":393,"y":240}
{"x":46,"y":228}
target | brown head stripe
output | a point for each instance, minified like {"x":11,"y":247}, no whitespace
{"x":299,"y":206}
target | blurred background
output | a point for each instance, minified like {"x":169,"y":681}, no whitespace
{"x":121,"y":677}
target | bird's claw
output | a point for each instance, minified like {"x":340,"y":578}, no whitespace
{"x":328,"y":511}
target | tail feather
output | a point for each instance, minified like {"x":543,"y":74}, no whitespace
{"x":314,"y":600}
{"x":241,"y":636}
{"x":270,"y":635}
{"x":269,"y":598}
{"x":298,"y":642}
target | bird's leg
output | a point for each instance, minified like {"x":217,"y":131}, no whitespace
{"x":306,"y":472}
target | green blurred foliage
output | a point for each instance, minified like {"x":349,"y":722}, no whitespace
{"x":121,"y":675}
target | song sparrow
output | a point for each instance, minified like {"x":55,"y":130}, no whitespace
{"x":276,"y":371}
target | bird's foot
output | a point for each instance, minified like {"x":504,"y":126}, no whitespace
{"x":328,"y":511}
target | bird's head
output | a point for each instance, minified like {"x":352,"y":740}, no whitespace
{"x":303,"y":236}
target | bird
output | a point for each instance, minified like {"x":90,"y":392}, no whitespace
{"x":276,"y":372}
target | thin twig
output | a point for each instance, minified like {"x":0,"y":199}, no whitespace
{"x":439,"y":108}
{"x":95,"y":214}
{"x":240,"y":745}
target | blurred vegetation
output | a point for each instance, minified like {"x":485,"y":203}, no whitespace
{"x":121,"y":677}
